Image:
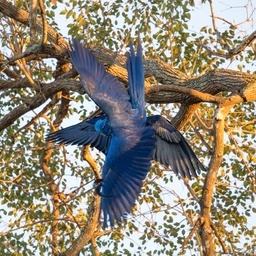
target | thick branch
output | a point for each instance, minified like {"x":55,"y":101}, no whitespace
{"x":206,"y":231}
{"x":87,"y":232}
{"x":215,"y":81}
{"x":44,"y":21}
{"x":212,"y":82}
{"x":32,"y":20}
{"x":206,"y":97}
{"x":183,"y":116}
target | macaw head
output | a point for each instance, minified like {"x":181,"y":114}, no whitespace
{"x":102,"y":126}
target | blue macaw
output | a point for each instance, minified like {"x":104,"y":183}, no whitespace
{"x":128,"y":138}
{"x":171,"y":148}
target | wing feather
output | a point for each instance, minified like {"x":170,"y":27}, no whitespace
{"x":123,"y":176}
{"x":83,"y":134}
{"x":104,"y":89}
{"x":128,"y":159}
{"x":172,"y":148}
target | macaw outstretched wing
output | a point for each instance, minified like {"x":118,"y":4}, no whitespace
{"x":82,"y":134}
{"x":102,"y":87}
{"x":172,"y":149}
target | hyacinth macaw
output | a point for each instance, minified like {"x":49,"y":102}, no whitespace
{"x":128,"y":138}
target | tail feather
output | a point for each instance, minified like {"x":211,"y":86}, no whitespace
{"x":136,"y":79}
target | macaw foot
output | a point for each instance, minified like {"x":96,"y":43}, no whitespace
{"x":98,"y":186}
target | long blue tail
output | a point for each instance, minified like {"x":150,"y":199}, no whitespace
{"x":135,"y":70}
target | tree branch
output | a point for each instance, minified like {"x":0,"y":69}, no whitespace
{"x":206,"y":230}
{"x":44,"y":21}
{"x":234,"y":51}
{"x":212,"y":82}
{"x":94,"y":248}
{"x":53,"y":186}
{"x":22,"y":16}
{"x":225,"y":251}
{"x":205,"y":97}
{"x":32,"y":21}
{"x":192,"y":232}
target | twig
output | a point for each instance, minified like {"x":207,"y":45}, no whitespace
{"x":228,"y":22}
{"x":222,"y":42}
{"x":202,"y":139}
{"x":29,"y":51}
{"x":30,"y":225}
{"x":44,"y":21}
{"x":192,"y":192}
{"x":19,"y":59}
{"x":232,"y":52}
{"x":48,"y":107}
{"x":198,"y":223}
{"x":191,"y":222}
{"x":219,"y":238}
{"x":202,"y":124}
{"x":88,"y":157}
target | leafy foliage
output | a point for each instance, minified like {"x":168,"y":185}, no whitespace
{"x":38,"y":200}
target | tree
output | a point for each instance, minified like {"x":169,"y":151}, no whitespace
{"x":48,"y":204}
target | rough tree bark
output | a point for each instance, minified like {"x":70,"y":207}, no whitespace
{"x":206,"y":230}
